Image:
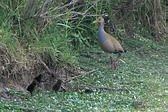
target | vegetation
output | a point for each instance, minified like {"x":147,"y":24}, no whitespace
{"x":56,"y":39}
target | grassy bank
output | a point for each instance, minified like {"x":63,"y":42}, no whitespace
{"x":139,"y":84}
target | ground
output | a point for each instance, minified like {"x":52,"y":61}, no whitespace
{"x":140,"y":83}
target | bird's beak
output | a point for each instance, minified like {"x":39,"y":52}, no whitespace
{"x":96,"y":21}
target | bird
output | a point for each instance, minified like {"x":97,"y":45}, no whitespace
{"x":88,"y":90}
{"x":38,"y":78}
{"x":107,"y":42}
{"x":32,"y":86}
{"x":57,"y":85}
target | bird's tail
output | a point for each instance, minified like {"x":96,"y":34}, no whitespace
{"x":125,"y":50}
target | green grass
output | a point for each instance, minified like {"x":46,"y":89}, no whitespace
{"x":139,"y":84}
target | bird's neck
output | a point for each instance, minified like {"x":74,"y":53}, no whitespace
{"x":101,"y":26}
{"x":101,"y":33}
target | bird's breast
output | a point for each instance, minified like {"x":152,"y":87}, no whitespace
{"x":101,"y":36}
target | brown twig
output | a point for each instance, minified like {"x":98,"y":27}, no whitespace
{"x":46,"y":67}
{"x":103,"y":88}
{"x":57,"y":8}
{"x":84,"y":14}
{"x":139,"y":49}
{"x":75,"y":77}
{"x":73,"y":72}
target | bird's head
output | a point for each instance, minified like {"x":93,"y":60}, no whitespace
{"x":59,"y":81}
{"x":99,"y":20}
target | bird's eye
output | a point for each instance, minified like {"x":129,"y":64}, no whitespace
{"x":99,"y":19}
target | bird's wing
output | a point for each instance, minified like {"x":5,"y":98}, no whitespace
{"x":116,"y":45}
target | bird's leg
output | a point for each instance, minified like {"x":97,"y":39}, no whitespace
{"x":112,"y":63}
{"x":116,"y":61}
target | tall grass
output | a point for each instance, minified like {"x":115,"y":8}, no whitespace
{"x":20,"y":33}
{"x":61,"y":29}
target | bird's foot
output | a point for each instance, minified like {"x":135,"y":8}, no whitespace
{"x":114,"y":65}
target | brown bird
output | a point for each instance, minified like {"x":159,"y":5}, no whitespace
{"x":108,"y":43}
{"x":88,"y":90}
{"x":57,"y":85}
{"x":38,"y":78}
{"x":32,"y":86}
